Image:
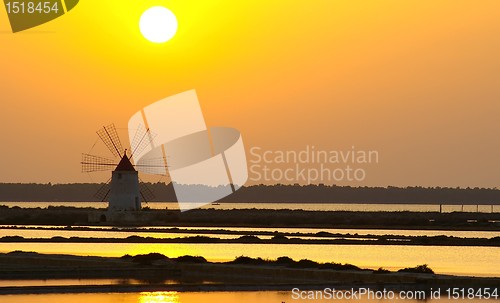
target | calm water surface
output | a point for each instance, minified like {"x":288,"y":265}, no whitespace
{"x":73,"y":282}
{"x":192,"y":297}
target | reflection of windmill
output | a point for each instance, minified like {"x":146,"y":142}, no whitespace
{"x":124,"y":191}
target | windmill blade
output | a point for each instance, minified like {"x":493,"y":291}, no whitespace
{"x":142,"y":138}
{"x":146,"y":193}
{"x":91,"y":163}
{"x":156,"y":166}
{"x":109,"y":136}
{"x":103,"y":192}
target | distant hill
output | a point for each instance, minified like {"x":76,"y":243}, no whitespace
{"x":270,"y":193}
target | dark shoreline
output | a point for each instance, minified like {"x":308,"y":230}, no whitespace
{"x":70,"y":216}
{"x":277,"y":239}
{"x":172,"y":227}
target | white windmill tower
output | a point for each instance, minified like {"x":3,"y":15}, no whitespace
{"x":124,"y":191}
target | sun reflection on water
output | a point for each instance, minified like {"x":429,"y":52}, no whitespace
{"x":159,"y":297}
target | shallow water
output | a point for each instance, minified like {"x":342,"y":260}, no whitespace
{"x":196,"y":297}
{"x":73,"y":282}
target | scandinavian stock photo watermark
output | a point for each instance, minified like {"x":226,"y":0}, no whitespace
{"x":310,"y":165}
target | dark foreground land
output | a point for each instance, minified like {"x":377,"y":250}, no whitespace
{"x":195,"y":273}
{"x":248,"y":237}
{"x":70,"y":216}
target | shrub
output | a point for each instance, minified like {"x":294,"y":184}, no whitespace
{"x":279,"y":238}
{"x":250,"y":239}
{"x":191,"y":259}
{"x":381,"y":270}
{"x":420,"y":269}
{"x":248,"y":261}
{"x":338,"y":266}
{"x":305,"y":263}
{"x":148,"y":259}
{"x":284,"y":261}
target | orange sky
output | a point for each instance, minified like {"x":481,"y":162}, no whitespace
{"x":418,"y":81}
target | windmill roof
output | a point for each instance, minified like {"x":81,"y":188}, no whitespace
{"x":125,"y":164}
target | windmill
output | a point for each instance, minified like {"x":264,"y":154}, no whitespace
{"x":124,"y":191}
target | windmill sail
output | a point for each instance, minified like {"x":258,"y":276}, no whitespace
{"x":155,"y":166}
{"x":146,"y":193}
{"x":103,"y":192}
{"x":109,"y":136}
{"x":91,"y":163}
{"x":143,"y":138}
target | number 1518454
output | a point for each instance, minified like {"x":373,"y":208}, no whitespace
{"x":22,"y":7}
{"x":472,"y":293}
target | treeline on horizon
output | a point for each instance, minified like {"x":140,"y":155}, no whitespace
{"x":84,"y":192}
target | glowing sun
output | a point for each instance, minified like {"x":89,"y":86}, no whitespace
{"x":158,"y":24}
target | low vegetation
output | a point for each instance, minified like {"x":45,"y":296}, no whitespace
{"x":152,"y":258}
{"x":338,"y":239}
{"x":420,"y":269}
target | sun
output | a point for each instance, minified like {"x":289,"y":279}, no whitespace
{"x":158,"y":24}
